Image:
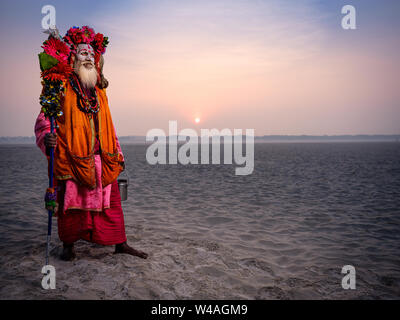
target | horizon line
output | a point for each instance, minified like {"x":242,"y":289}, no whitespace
{"x":259,"y":137}
{"x":256,"y":136}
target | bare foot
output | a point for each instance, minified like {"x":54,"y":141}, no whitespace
{"x":124,"y":248}
{"x":68,"y":253}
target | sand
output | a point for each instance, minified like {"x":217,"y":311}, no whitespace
{"x":212,"y":235}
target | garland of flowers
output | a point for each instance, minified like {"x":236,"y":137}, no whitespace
{"x":76,"y":35}
{"x":89,"y":105}
{"x":55,"y":70}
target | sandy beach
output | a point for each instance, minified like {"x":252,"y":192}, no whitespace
{"x":283,"y":232}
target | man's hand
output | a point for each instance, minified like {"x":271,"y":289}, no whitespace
{"x":50,"y":140}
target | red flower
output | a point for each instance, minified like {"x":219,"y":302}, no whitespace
{"x":61,"y":71}
{"x":98,"y":38}
{"x":57,"y":49}
{"x":74,"y":37}
{"x":78,"y":38}
{"x":88,"y":34}
{"x":98,"y":43}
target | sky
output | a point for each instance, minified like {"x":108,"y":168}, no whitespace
{"x":278,"y":67}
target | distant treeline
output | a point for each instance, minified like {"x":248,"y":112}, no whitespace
{"x":269,"y":138}
{"x":358,"y":137}
{"x":295,"y":138}
{"x":17,"y":140}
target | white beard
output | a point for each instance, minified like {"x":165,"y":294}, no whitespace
{"x":88,"y":77}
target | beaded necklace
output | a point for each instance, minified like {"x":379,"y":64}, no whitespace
{"x":87,"y":104}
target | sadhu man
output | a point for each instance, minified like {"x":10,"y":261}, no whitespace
{"x":87,"y":157}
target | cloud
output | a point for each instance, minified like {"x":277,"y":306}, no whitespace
{"x":193,"y":56}
{"x":281,"y":67}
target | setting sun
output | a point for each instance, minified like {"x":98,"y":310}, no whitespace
{"x":197,"y":120}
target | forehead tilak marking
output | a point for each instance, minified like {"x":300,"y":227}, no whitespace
{"x":86,"y":48}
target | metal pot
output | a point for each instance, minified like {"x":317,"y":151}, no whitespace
{"x":123,"y":184}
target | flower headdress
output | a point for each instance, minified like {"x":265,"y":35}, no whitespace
{"x":76,"y":35}
{"x":55,"y":63}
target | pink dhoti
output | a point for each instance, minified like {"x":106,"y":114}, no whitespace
{"x":105,"y":227}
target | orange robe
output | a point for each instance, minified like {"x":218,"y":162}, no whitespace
{"x":75,"y":154}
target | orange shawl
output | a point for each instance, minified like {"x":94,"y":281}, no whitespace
{"x":74,"y":153}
